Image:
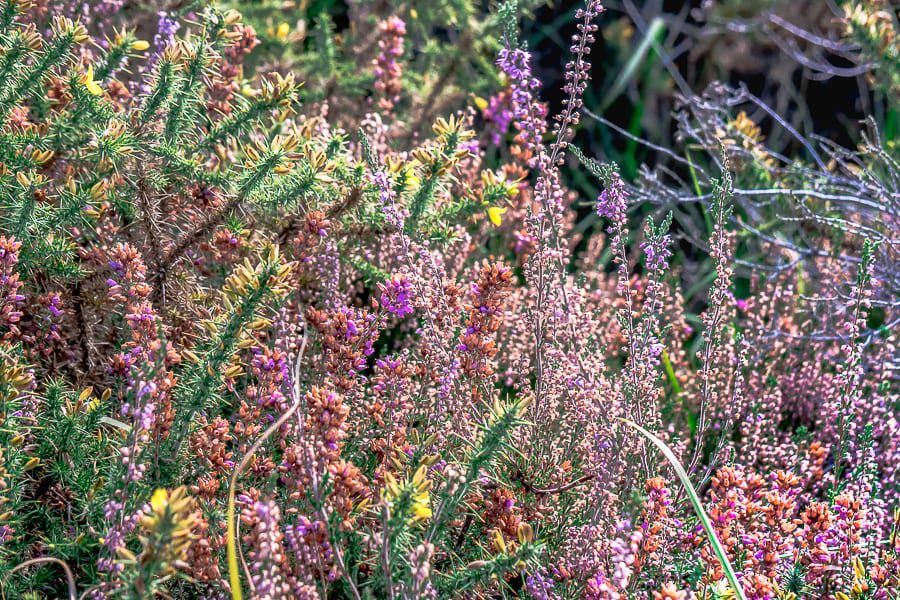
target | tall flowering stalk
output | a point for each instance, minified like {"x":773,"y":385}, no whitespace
{"x":850,"y":372}
{"x":644,"y":346}
{"x":268,"y":558}
{"x":719,"y":307}
{"x":142,"y":364}
{"x":545,"y":269}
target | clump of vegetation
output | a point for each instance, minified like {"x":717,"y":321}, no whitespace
{"x":310,"y":301}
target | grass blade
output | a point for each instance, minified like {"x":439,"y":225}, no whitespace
{"x":656,"y":29}
{"x":70,"y":579}
{"x":698,"y":507}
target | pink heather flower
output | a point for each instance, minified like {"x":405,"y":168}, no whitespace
{"x":308,"y":540}
{"x":115,"y":538}
{"x":420,"y":559}
{"x":388,"y":71}
{"x":166,"y":29}
{"x":267,"y":552}
{"x":54,"y":304}
{"x":10,"y":298}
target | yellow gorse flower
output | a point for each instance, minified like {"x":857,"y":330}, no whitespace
{"x":88,"y":80}
{"x":41,"y":156}
{"x":495,"y":214}
{"x":166,"y":529}
{"x":751,"y":137}
{"x":784,"y":594}
{"x":453,"y":125}
{"x":860,"y":579}
{"x":173,"y":505}
{"x":498,"y":542}
{"x":421,"y":499}
{"x":280,"y":32}
{"x":747,"y":127}
{"x":405,"y":171}
{"x":525,"y":533}
{"x":158,"y":500}
{"x":63,"y":26}
{"x":414,"y":491}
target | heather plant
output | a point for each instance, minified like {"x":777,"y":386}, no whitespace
{"x":294,"y":308}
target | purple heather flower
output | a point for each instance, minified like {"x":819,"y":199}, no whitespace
{"x":529,"y":114}
{"x":448,"y":378}
{"x":657,"y":252}
{"x":498,"y":114}
{"x":54,"y":305}
{"x":612,"y":202}
{"x":166,"y":28}
{"x":396,"y":295}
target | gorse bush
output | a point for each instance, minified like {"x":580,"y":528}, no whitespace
{"x":294,"y":310}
